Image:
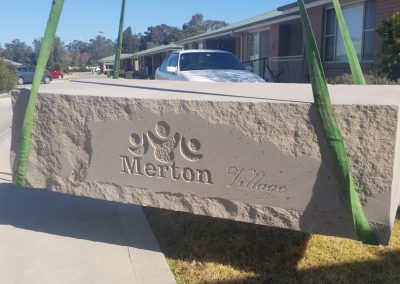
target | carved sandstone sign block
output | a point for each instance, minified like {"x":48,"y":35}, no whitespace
{"x":212,"y":149}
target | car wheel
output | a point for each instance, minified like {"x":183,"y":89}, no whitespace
{"x":47,"y":80}
{"x":59,"y":76}
{"x":20,"y":80}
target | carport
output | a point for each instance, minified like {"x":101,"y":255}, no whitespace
{"x":150,"y":59}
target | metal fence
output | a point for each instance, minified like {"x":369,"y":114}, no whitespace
{"x":284,"y":69}
{"x":259,"y":67}
{"x":289,"y":69}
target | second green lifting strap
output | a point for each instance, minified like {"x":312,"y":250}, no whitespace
{"x":355,"y":67}
{"x":332,"y":131}
{"x":29,"y":120}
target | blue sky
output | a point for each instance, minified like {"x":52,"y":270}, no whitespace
{"x":84,"y":19}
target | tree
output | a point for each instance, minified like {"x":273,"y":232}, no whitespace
{"x":78,"y":53}
{"x":130,"y":42}
{"x":211,"y":25}
{"x":197,"y":25}
{"x":100,"y":47}
{"x":19,"y":52}
{"x":194,"y":27}
{"x":196,"y":21}
{"x":390,"y":57}
{"x":58,"y":55}
{"x":160,"y":34}
{"x":8,"y":77}
{"x":118,"y":49}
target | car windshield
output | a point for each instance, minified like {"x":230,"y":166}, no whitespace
{"x":209,"y":60}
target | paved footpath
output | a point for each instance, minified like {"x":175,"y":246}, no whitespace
{"x":54,"y":238}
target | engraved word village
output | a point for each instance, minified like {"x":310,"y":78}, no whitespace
{"x":163,"y":147}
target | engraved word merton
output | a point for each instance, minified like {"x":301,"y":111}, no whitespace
{"x":163,"y":145}
{"x":135,"y":166}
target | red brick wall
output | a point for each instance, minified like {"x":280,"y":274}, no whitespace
{"x":237,"y":47}
{"x":274,"y":40}
{"x":384,"y":9}
{"x":334,"y":69}
{"x":245,"y":53}
{"x":316,"y":15}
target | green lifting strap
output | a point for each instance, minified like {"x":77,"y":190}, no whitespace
{"x":28,"y":124}
{"x":355,"y":67}
{"x":117,"y":61}
{"x":332,"y":131}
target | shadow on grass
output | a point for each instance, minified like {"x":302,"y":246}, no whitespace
{"x":270,"y":254}
{"x":383,"y":270}
{"x":263,"y":254}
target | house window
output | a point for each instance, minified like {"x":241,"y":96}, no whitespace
{"x":360,"y":21}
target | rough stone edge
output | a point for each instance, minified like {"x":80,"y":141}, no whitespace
{"x":395,"y":194}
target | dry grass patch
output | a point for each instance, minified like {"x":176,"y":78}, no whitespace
{"x":336,"y":260}
{"x":207,"y":250}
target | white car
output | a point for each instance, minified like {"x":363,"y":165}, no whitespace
{"x":204,"y":65}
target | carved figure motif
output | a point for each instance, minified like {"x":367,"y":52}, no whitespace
{"x":164,"y":144}
{"x":140,"y":144}
{"x":189,"y":150}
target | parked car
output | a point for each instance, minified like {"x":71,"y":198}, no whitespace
{"x":55,"y":74}
{"x":204,"y":65}
{"x":25,"y":75}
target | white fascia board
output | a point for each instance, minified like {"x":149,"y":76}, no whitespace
{"x":194,"y":40}
{"x":238,"y":30}
{"x":267,"y":23}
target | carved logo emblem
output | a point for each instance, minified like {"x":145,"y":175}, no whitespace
{"x":164,"y":144}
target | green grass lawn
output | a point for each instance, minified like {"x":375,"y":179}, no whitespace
{"x":207,"y":250}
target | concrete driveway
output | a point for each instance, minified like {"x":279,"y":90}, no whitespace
{"x":54,"y":238}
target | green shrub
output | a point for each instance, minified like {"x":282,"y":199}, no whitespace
{"x":390,"y":56}
{"x":76,"y":69}
{"x":64,"y":69}
{"x":371,"y":79}
{"x":61,"y":68}
{"x":8,"y":77}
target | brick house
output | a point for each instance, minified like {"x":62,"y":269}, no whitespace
{"x":362,"y":18}
{"x":150,"y":59}
{"x":272,"y":43}
{"x":127,"y":62}
{"x":143,"y":63}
